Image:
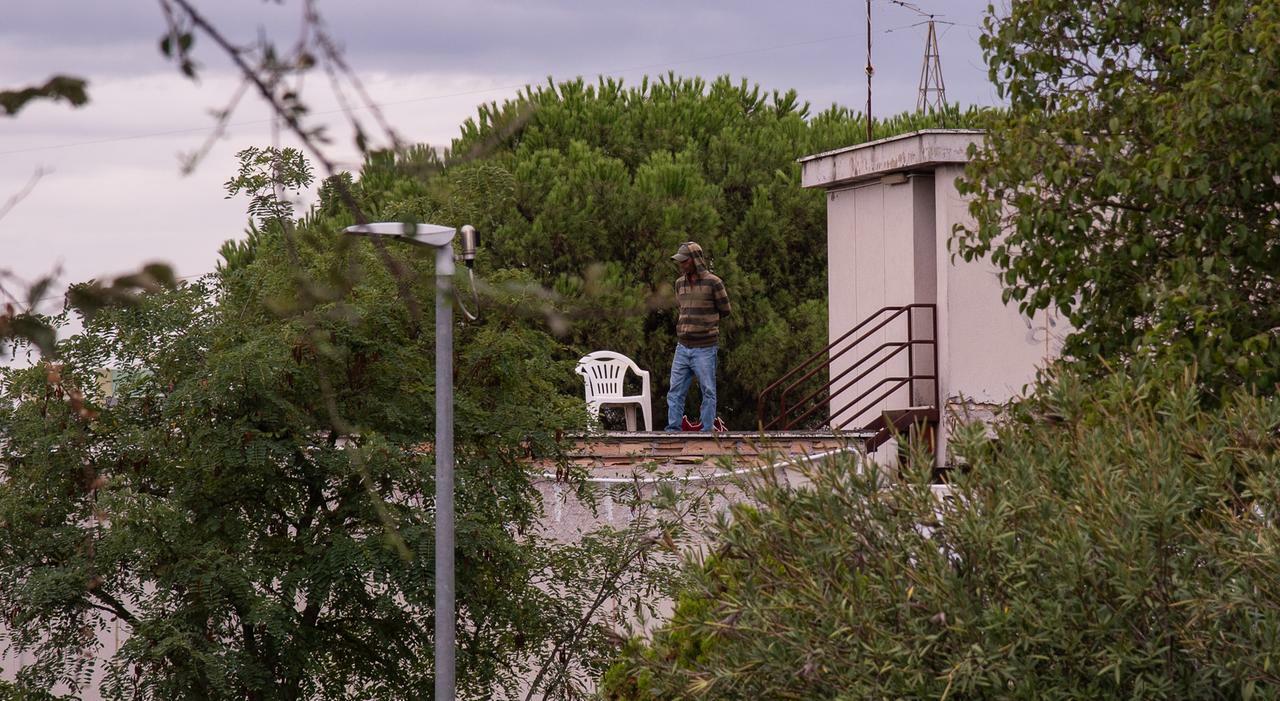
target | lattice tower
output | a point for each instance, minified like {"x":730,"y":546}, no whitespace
{"x":933,"y":92}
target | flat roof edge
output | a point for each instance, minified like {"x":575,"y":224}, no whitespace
{"x":889,"y":139}
{"x":915,"y":150}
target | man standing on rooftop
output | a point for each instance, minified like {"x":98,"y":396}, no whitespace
{"x":703,"y":300}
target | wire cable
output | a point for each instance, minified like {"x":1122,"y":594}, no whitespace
{"x":471,"y":273}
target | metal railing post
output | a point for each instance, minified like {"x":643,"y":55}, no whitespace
{"x":911,"y":358}
{"x":937,"y":372}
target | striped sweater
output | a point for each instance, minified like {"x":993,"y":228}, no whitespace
{"x":703,"y":300}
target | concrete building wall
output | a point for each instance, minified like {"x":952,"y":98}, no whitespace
{"x":989,"y":351}
{"x":926,"y":284}
{"x":877,"y":248}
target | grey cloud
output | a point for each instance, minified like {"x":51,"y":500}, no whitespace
{"x":113,"y":162}
{"x":532,"y":40}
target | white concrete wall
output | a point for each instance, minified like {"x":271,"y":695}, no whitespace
{"x":880,"y":249}
{"x":926,"y":284}
{"x":989,"y":351}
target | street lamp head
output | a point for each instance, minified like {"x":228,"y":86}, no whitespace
{"x":470,"y":242}
{"x":432,"y":235}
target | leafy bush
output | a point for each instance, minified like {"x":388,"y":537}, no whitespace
{"x":1115,"y":539}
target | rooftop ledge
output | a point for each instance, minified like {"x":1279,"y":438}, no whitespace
{"x":904,"y":152}
{"x":615,"y":452}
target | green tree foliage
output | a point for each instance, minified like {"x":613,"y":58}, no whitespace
{"x":252,"y":498}
{"x":1131,"y":183}
{"x":247,"y":549}
{"x":589,"y":189}
{"x":1115,"y":540}
{"x":14,"y":692}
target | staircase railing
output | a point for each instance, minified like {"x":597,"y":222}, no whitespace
{"x":794,"y":412}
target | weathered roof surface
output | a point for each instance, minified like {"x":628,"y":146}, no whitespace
{"x":917,"y":150}
{"x":617,"y":454}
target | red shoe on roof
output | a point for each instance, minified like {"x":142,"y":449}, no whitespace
{"x":687,"y":425}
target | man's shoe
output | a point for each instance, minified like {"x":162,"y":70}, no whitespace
{"x":687,"y":425}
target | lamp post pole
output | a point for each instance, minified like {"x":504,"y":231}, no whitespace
{"x":445,"y":632}
{"x":441,"y":239}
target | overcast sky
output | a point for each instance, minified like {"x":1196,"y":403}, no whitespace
{"x":111,"y":195}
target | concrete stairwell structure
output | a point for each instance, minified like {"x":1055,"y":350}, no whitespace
{"x":892,"y":205}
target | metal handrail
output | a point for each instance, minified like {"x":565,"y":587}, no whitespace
{"x":760,"y":404}
{"x":897,"y":346}
{"x":833,"y":344}
{"x":832,"y":358}
{"x":784,"y":418}
{"x":900,"y":382}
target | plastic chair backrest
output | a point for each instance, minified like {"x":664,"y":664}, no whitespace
{"x":603,"y":372}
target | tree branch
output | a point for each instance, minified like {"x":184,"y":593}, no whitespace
{"x":113,"y":605}
{"x":20,"y":195}
{"x":399,"y":273}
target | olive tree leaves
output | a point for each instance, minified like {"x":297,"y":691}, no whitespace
{"x":1131,"y":184}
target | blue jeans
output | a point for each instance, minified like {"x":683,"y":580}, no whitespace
{"x":687,"y":363}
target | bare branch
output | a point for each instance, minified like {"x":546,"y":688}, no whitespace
{"x":20,"y":195}
{"x":223,"y":118}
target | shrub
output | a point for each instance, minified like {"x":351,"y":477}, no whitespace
{"x":1115,"y":539}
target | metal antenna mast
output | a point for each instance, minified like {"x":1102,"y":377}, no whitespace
{"x":870,"y":70}
{"x":933,"y":92}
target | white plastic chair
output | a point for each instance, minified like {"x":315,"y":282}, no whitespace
{"x":602,"y":374}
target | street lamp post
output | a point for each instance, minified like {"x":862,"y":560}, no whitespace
{"x":441,"y":239}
